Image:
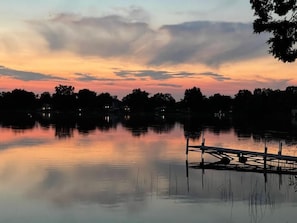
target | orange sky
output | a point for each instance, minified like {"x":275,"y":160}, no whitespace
{"x":117,"y":47}
{"x":242,"y":75}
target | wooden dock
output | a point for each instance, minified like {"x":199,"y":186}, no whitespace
{"x":243,"y":160}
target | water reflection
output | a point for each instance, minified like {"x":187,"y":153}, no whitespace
{"x":119,"y":169}
{"x":16,"y":121}
{"x":141,"y":124}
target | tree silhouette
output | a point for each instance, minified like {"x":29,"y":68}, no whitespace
{"x":45,"y":100}
{"x":261,"y":103}
{"x":138,"y":100}
{"x":104,"y":100}
{"x":64,"y":98}
{"x":18,"y":99}
{"x":242,"y":101}
{"x":86,"y":99}
{"x":64,"y":90}
{"x":278,"y":17}
{"x":290,"y":97}
{"x":162,"y":100}
{"x":219,"y":102}
{"x":193,"y":99}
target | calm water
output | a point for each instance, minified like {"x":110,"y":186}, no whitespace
{"x":127,"y":173}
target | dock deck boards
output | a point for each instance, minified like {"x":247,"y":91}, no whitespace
{"x":210,"y":149}
{"x":244,"y":160}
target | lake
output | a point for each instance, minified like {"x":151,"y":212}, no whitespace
{"x":134,"y":170}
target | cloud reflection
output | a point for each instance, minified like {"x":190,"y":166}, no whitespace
{"x":113,"y":170}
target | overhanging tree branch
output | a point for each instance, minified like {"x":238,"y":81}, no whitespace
{"x":278,"y":17}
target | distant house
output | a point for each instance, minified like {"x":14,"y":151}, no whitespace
{"x":127,"y":109}
{"x":160,"y":110}
{"x":46,"y":108}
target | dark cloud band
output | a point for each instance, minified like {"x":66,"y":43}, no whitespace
{"x":26,"y":75}
{"x":165,"y":75}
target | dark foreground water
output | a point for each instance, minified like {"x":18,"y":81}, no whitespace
{"x":136,"y":173}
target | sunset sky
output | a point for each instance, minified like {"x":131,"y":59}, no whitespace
{"x":116,"y":46}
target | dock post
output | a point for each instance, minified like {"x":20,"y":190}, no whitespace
{"x":203,"y":139}
{"x":279,"y":168}
{"x":280,"y":148}
{"x":187,"y":146}
{"x":265,"y":157}
{"x":187,"y":174}
{"x":202,"y":144}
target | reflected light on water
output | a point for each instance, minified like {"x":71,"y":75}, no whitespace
{"x":117,"y":176}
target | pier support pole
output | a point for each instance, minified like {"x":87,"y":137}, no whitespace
{"x":187,"y":174}
{"x":279,"y":168}
{"x":187,"y":146}
{"x":265,"y":163}
{"x":203,"y":139}
{"x":280,"y":148}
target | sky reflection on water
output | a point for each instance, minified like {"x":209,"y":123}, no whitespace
{"x":115,"y":175}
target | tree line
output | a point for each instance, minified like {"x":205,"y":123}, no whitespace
{"x":260,"y":102}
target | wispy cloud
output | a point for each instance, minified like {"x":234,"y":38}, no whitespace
{"x":170,"y":85}
{"x":211,"y":43}
{"x":218,"y":77}
{"x":89,"y":77}
{"x":85,"y":77}
{"x":129,"y":35}
{"x":26,"y":75}
{"x":153,"y":74}
{"x":260,"y":81}
{"x":266,"y":82}
{"x":165,"y":75}
{"x":109,"y":36}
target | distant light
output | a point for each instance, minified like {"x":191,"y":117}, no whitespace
{"x":107,"y":118}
